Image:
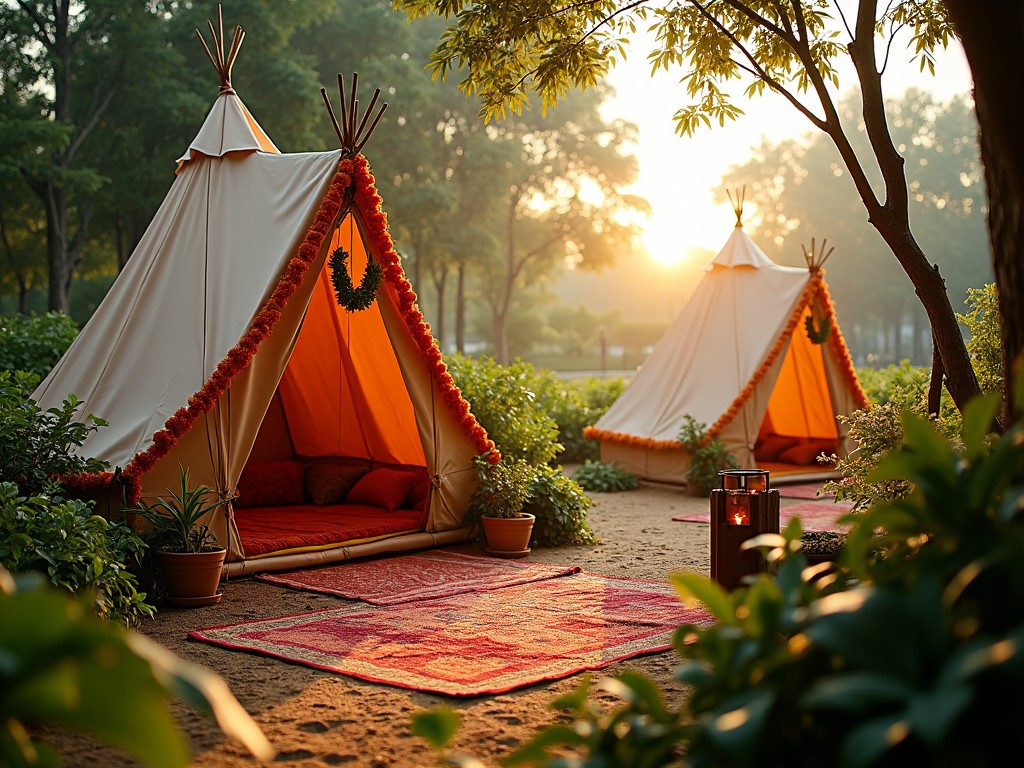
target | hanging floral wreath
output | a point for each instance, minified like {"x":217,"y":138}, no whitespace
{"x":350,"y":297}
{"x":817,"y":332}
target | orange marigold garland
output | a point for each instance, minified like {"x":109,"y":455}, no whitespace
{"x":368,"y":202}
{"x":594,"y":433}
{"x":239,"y":357}
{"x":838,"y":344}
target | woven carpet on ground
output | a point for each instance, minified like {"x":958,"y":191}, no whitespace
{"x":478,"y":642}
{"x":814,"y":516}
{"x":420,"y":576}
{"x":802,"y":491}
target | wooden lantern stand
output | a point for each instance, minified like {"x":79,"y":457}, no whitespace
{"x":744,"y":507}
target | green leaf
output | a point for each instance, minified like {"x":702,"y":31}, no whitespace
{"x":437,"y":726}
{"x":694,"y":589}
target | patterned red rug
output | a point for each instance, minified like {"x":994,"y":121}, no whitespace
{"x":420,"y":576}
{"x":478,"y":642}
{"x":802,"y":491}
{"x":814,"y":516}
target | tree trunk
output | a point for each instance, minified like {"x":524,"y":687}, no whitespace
{"x":930,"y":287}
{"x":992,"y":33}
{"x":440,"y":283}
{"x":460,"y":309}
{"x":56,"y":201}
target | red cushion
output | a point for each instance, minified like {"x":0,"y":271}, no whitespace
{"x":419,"y":494}
{"x":771,"y":447}
{"x":270,"y":484}
{"x":330,"y":483}
{"x":384,"y":487}
{"x":803,"y":453}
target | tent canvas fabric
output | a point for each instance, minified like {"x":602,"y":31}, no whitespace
{"x":738,"y":360}
{"x":222,"y":340}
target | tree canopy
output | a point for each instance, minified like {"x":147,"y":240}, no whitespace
{"x":510,"y":51}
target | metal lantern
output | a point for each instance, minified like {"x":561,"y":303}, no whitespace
{"x":744,"y":507}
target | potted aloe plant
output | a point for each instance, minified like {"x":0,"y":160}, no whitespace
{"x":498,"y":504}
{"x":186,"y":549}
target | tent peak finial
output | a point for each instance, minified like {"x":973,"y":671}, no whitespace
{"x":815,"y":257}
{"x":222,"y":59}
{"x":352,"y":138}
{"x":736,"y":198}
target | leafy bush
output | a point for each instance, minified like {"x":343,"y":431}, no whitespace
{"x":560,"y":506}
{"x":33,"y":342}
{"x":985,"y":344}
{"x":707,"y":456}
{"x":877,"y":430}
{"x":508,"y":401}
{"x":575,"y":405}
{"x":36,"y":445}
{"x":62,"y":666}
{"x":503,"y":488}
{"x":909,"y":652}
{"x":505,"y":401}
{"x":879,"y":383}
{"x":76,"y":549}
{"x":605,"y":478}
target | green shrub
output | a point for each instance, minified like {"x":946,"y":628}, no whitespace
{"x":605,"y":478}
{"x":36,"y":445}
{"x":503,"y":489}
{"x":35,"y":342}
{"x":76,"y":549}
{"x":505,"y":401}
{"x":707,"y":456}
{"x":560,"y":506}
{"x":985,"y":343}
{"x":576,"y":404}
{"x":879,"y":383}
{"x":878,"y":430}
{"x":508,"y":401}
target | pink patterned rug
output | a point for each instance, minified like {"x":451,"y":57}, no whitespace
{"x":477,"y":642}
{"x":814,"y":516}
{"x":420,"y":576}
{"x":802,"y":491}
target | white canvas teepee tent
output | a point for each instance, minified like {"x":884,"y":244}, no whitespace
{"x":739,"y":359}
{"x":222,"y":339}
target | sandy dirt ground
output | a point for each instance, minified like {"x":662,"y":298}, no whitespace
{"x":316,"y":718}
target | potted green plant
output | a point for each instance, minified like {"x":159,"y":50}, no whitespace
{"x":498,"y":504}
{"x":186,"y":549}
{"x":708,"y":456}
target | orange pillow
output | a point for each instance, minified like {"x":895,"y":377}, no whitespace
{"x":330,"y":483}
{"x":384,"y":487}
{"x":270,"y":484}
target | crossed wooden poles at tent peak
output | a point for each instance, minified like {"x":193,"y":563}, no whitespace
{"x":221,"y":62}
{"x":352,"y":138}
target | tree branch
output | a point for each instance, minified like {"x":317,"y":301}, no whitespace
{"x":44,"y":35}
{"x":758,"y":70}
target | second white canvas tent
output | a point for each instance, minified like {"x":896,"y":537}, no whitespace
{"x":738,"y":359}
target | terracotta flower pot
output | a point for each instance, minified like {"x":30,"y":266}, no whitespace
{"x":508,"y":536}
{"x":192,"y":578}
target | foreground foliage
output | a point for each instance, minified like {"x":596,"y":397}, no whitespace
{"x":910,"y":651}
{"x":63,"y":666}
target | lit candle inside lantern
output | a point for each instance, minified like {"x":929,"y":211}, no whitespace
{"x":737,"y":509}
